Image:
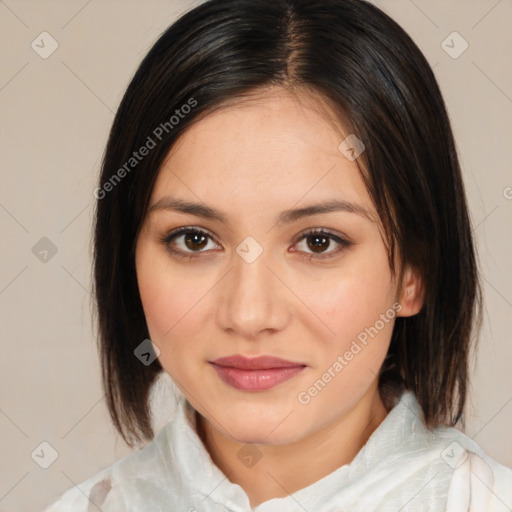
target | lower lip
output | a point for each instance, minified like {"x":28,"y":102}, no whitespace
{"x":256,"y":380}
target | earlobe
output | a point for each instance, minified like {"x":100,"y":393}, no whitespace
{"x":412,"y":294}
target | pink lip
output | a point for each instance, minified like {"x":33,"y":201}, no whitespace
{"x":255,"y":374}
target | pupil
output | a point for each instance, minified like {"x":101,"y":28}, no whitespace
{"x":315,"y":246}
{"x":191,"y":241}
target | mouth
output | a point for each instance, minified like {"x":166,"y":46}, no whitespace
{"x":255,"y":374}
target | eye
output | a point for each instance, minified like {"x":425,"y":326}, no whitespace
{"x":188,"y":241}
{"x":319,"y":240}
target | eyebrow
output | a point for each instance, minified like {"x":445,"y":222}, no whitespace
{"x":286,"y":217}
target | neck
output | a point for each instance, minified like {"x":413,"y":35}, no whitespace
{"x":275,"y":474}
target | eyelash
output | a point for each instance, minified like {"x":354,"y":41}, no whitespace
{"x":344,"y":244}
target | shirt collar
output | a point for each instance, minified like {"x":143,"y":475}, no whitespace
{"x":199,"y":475}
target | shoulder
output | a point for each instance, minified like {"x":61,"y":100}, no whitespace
{"x":478,"y":482}
{"x":111,"y":486}
{"x":449,"y":467}
{"x":78,"y":498}
{"x":144,"y":479}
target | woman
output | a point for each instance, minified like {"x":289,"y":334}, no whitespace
{"x":281,"y":227}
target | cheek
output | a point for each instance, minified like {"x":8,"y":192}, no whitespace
{"x":170,"y":301}
{"x":350,"y":302}
{"x":351,"y":298}
{"x":175,"y":318}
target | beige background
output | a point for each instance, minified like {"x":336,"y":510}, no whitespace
{"x":55,"y":116}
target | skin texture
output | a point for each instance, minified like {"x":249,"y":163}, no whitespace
{"x":253,"y":160}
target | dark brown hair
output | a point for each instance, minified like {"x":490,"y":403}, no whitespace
{"x":364,"y":65}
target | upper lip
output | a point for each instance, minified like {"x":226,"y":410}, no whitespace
{"x":255,"y":363}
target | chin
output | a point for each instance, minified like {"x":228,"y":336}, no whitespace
{"x":270,"y":430}
{"x":256,"y":419}
{"x":248,"y":434}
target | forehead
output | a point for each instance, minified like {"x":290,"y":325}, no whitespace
{"x":271,"y":146}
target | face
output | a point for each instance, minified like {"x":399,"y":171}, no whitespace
{"x":314,"y":290}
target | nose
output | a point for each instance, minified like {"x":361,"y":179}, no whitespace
{"x":253,"y":299}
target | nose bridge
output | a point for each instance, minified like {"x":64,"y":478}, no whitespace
{"x":251,"y":299}
{"x":250,"y":282}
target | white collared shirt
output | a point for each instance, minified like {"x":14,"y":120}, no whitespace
{"x":402,"y":467}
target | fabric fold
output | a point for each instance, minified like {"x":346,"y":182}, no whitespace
{"x":403,"y":466}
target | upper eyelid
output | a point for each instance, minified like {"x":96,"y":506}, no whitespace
{"x":182,"y":230}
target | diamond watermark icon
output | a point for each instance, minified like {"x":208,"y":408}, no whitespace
{"x":249,"y":455}
{"x":351,"y":147}
{"x":454,"y":45}
{"x":44,"y":45}
{"x":44,"y":250}
{"x":249,"y":250}
{"x":454,"y":455}
{"x":147,"y":352}
{"x":44,"y":455}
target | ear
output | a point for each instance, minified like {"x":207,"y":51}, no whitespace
{"x":412,"y":294}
